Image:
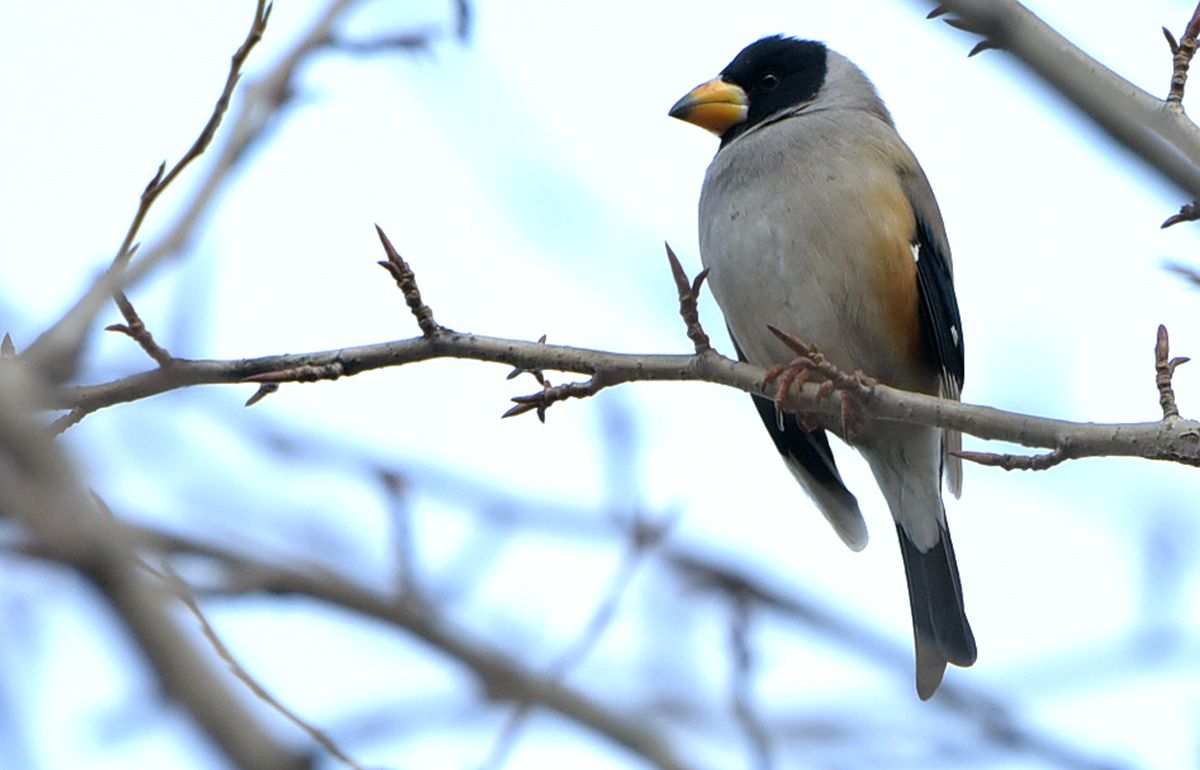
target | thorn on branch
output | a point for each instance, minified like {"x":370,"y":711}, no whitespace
{"x":407,"y":282}
{"x":689,"y":294}
{"x":940,"y":10}
{"x":1164,"y":370}
{"x":1039,"y":462}
{"x":308,"y":373}
{"x":980,"y":47}
{"x":1182,"y":53}
{"x":1188,"y":212}
{"x":7,"y":348}
{"x":152,"y":186}
{"x":537,"y":374}
{"x":1172,"y":43}
{"x":264,"y":390}
{"x":552,"y":394}
{"x":957,"y":23}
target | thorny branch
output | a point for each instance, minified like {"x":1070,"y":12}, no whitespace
{"x":65,"y":338}
{"x":1177,"y":440}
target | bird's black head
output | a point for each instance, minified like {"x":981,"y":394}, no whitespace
{"x":768,"y":76}
{"x":776,"y":73}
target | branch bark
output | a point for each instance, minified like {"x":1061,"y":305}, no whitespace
{"x":1177,"y":440}
{"x":40,"y":489}
{"x":1157,"y":130}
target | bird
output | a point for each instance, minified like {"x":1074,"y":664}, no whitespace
{"x":815,"y":217}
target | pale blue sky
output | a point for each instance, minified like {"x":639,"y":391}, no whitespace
{"x":531,"y":177}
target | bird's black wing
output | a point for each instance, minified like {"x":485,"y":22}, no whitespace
{"x":941,"y":326}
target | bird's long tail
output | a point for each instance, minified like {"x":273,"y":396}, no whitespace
{"x":940,"y":628}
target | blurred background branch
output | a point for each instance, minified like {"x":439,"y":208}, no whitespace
{"x":435,"y":607}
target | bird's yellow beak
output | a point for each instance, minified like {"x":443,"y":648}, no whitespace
{"x":715,"y":106}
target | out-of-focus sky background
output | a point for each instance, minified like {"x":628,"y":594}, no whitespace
{"x":531,"y":176}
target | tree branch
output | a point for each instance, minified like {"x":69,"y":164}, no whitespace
{"x":40,"y":489}
{"x":502,"y":676}
{"x":55,"y":352}
{"x":1177,"y":440}
{"x":1155,"y":129}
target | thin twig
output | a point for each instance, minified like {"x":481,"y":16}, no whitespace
{"x":135,"y":329}
{"x":1188,"y":273}
{"x":55,"y":351}
{"x":40,"y":488}
{"x":552,"y":394}
{"x":1182,"y":53}
{"x":641,"y":540}
{"x":67,"y":421}
{"x":162,"y":179}
{"x":1164,"y":370}
{"x":742,"y":685}
{"x":185,"y":595}
{"x":501,"y":675}
{"x":689,"y":294}
{"x":407,"y":281}
{"x":1013,"y":462}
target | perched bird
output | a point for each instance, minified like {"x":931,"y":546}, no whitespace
{"x":815,"y":217}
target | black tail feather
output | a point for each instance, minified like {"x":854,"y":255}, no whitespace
{"x":940,"y":628}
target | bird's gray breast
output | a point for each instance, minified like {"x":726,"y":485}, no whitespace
{"x":791,"y":227}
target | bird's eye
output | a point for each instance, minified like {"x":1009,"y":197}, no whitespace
{"x":770,"y":80}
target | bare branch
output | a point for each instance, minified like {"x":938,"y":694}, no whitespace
{"x":501,"y":675}
{"x":689,"y":294}
{"x":56,"y":350}
{"x":742,"y":683}
{"x":1178,"y":440}
{"x":552,"y":394}
{"x":407,"y":281}
{"x":1009,"y":462}
{"x":1156,"y":130}
{"x":40,"y":489}
{"x":1190,"y":274}
{"x":1182,"y":53}
{"x":181,"y":590}
{"x":136,"y":329}
{"x":1164,"y":370}
{"x":641,"y":540}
